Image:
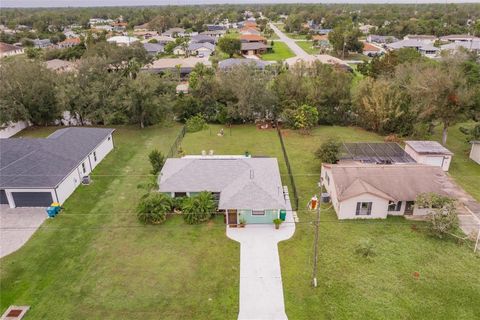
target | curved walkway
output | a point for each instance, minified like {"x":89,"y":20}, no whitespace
{"x":261,"y":288}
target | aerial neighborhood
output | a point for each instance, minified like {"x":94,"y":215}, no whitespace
{"x":240,"y":161}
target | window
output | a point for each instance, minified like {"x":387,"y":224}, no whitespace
{"x":392,"y":206}
{"x":364,"y":208}
{"x":258,"y":213}
{"x":327,"y":178}
{"x":179,"y":194}
{"x":95,"y":156}
{"x":83,"y":168}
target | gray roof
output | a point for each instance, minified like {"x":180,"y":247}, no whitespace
{"x":195,"y":46}
{"x":232,"y":62}
{"x":44,"y":163}
{"x":243,"y":183}
{"x":203,"y":38}
{"x":428,"y":147}
{"x":153,"y":47}
{"x":407,"y":43}
{"x":254,"y":46}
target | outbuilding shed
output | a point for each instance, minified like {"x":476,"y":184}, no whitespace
{"x":429,"y":152}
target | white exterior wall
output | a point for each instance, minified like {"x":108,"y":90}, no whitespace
{"x":348,"y":207}
{"x":101,"y":151}
{"x":12,"y":128}
{"x":475,"y":152}
{"x":68,"y":185}
{"x":425,"y":158}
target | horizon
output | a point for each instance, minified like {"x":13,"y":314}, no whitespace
{"x":151,"y":3}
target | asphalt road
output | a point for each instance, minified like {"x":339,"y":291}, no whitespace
{"x":299,"y":52}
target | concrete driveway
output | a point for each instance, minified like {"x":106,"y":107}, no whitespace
{"x":17,"y":226}
{"x":261,"y":288}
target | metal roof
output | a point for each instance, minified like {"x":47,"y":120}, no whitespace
{"x":375,"y":152}
{"x":430,"y":147}
{"x":44,"y":163}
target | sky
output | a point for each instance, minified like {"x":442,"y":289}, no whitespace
{"x":97,"y":3}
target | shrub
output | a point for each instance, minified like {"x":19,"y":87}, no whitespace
{"x":157,"y":160}
{"x":442,"y":213}
{"x":305,"y":118}
{"x":329,"y":151}
{"x":196,"y":123}
{"x":366,"y":249}
{"x":198,"y":208}
{"x":153,"y":208}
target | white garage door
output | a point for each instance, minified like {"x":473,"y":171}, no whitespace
{"x":434,"y":161}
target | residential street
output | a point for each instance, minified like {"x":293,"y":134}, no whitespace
{"x":299,"y":52}
{"x":261,"y":287}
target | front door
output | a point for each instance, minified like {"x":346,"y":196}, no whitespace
{"x":232,"y":217}
{"x":409,"y":207}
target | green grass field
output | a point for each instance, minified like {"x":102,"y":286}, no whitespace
{"x":280,"y":52}
{"x":95,"y":261}
{"x":307,"y":46}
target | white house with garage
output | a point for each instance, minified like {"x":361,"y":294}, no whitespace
{"x":36,"y":172}
{"x":475,"y":151}
{"x":374,"y":191}
{"x":429,"y":152}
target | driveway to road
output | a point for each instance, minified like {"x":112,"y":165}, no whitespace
{"x":299,"y":52}
{"x":17,"y":226}
{"x":261,"y":288}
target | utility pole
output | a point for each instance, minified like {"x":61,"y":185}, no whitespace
{"x":315,"y":255}
{"x":476,"y":243}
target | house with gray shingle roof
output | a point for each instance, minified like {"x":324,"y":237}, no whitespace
{"x":34,"y":172}
{"x":247,"y":188}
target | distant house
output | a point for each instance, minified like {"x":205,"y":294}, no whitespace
{"x":214,"y":33}
{"x":119,"y":26}
{"x":201,"y":49}
{"x":459,"y":38}
{"x":182,"y":65}
{"x":122,"y":40}
{"x":430,"y":153}
{"x":425,"y":47}
{"x":59,"y":66}
{"x":203,"y":38}
{"x":9,"y":129}
{"x":250,"y":31}
{"x":475,"y":151}
{"x":41,"y":43}
{"x":7,"y":50}
{"x":142,"y":28}
{"x":370,"y":191}
{"x":253,"y":48}
{"x":247,"y":189}
{"x":232,"y":63}
{"x":174,"y":32}
{"x":249,"y":24}
{"x":160,"y":39}
{"x":420,"y":37}
{"x":214,"y":27}
{"x":154,"y":48}
{"x":252,"y":38}
{"x":371,"y":50}
{"x":453,"y":47}
{"x":366,"y":28}
{"x":322,"y":58}
{"x":381,"y":39}
{"x":107,"y":28}
{"x":36,"y":172}
{"x":69,"y":42}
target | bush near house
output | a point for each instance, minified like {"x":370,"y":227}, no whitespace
{"x":153,"y":208}
{"x":199,"y":208}
{"x":157,"y":160}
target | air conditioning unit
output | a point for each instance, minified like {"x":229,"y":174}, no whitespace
{"x":86,"y":180}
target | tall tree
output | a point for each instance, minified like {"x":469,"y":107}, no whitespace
{"x":229,"y":45}
{"x":28,"y":92}
{"x":344,"y":38}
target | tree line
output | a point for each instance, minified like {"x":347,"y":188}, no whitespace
{"x":400,"y":93}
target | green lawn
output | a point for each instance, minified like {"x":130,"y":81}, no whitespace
{"x":296,"y":35}
{"x":352,"y":287}
{"x":307,"y":46}
{"x":280,"y":51}
{"x":95,"y":261}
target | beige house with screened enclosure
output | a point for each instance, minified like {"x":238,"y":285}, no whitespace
{"x":372,"y":191}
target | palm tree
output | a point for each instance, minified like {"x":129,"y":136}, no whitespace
{"x":199,"y":208}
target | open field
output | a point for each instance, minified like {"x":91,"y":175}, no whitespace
{"x":95,"y":261}
{"x":307,"y":47}
{"x":280,"y":52}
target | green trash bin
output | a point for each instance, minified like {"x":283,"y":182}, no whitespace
{"x":283,"y":214}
